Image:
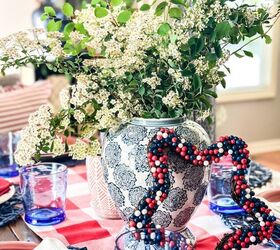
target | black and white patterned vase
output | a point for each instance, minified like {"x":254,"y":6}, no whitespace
{"x":128,"y":176}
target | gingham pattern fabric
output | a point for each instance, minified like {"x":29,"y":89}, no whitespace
{"x":83,"y":228}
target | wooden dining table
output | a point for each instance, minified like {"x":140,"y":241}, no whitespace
{"x":19,"y":231}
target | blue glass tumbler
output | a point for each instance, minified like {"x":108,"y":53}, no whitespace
{"x":219,"y":188}
{"x":8,"y":142}
{"x":43,"y":188}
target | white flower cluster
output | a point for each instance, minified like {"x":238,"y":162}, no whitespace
{"x":153,"y":81}
{"x":81,"y":149}
{"x":172,"y":100}
{"x":31,"y":137}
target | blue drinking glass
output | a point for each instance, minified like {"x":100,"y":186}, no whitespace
{"x":43,"y":188}
{"x":219,"y":189}
{"x":8,"y":142}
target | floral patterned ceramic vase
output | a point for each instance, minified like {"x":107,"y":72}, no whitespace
{"x":128,"y":176}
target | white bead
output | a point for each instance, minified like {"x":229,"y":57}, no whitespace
{"x":142,"y":235}
{"x":159,"y":133}
{"x":252,"y":238}
{"x":144,"y":211}
{"x":137,"y":213}
{"x":183,"y":140}
{"x":221,"y":150}
{"x":262,"y":224}
{"x":139,"y":225}
{"x":153,"y":169}
{"x":248,"y":196}
{"x":164,"y":135}
{"x":248,"y":190}
{"x":271,"y":213}
{"x":230,"y":151}
{"x":157,"y":198}
{"x":158,"y":226}
{"x":260,"y":218}
{"x":257,"y":215}
{"x":132,"y":228}
{"x":264,"y":241}
{"x":206,"y":163}
{"x":153,"y":235}
{"x":198,"y":157}
{"x":157,"y":163}
{"x":233,"y":249}
{"x":180,"y":145}
{"x":234,"y":168}
{"x":158,"y":203}
{"x":220,"y":144}
{"x":159,"y":193}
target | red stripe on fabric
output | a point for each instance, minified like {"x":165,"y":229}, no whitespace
{"x":70,"y":205}
{"x":83,"y":175}
{"x":89,"y":230}
{"x":208,"y":243}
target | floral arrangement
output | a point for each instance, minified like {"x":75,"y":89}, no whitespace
{"x":130,"y":59}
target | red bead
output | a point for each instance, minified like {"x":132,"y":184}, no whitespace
{"x":217,"y":160}
{"x":154,"y":158}
{"x":226,"y":247}
{"x":132,"y":223}
{"x":178,"y":150}
{"x":247,"y":240}
{"x":216,"y":151}
{"x":195,"y":162}
{"x":244,"y":161}
{"x":155,"y":174}
{"x":232,"y":141}
{"x":148,"y":200}
{"x":187,"y":157}
{"x":250,"y":234}
{"x":243,"y":244}
{"x":205,"y":151}
{"x":151,"y":205}
{"x":183,"y":153}
{"x":165,"y":170}
{"x":164,"y":195}
{"x":161,"y":181}
{"x":238,"y":232}
{"x":159,"y":170}
{"x":137,"y":236}
{"x":184,"y":149}
{"x":174,"y":139}
{"x":160,"y":175}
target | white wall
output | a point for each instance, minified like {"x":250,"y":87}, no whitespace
{"x":15,"y":15}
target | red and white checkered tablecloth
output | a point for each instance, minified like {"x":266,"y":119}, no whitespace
{"x":83,"y":228}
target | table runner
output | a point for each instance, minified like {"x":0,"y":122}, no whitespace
{"x":83,"y":227}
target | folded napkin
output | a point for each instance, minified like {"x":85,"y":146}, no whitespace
{"x":4,"y":186}
{"x":51,"y":243}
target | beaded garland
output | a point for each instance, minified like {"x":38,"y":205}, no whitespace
{"x":140,"y":222}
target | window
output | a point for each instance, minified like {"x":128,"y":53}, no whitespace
{"x":253,"y":78}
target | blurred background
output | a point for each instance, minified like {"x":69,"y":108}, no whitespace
{"x":249,"y":107}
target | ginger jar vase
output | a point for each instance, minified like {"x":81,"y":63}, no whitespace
{"x":128,"y":176}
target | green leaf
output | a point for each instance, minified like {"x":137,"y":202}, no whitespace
{"x":80,"y":27}
{"x":196,"y":83}
{"x":182,"y":2}
{"x":94,"y":2}
{"x":44,"y":17}
{"x":160,"y":8}
{"x":175,"y":12}
{"x":69,"y":27}
{"x":211,"y":93}
{"x":268,"y":39}
{"x":124,"y":16}
{"x":238,"y":55}
{"x":222,"y":30}
{"x":50,"y":11}
{"x":248,"y":53}
{"x":100,"y":12}
{"x":145,"y":7}
{"x":141,"y":91}
{"x":116,"y":2}
{"x":68,"y":10}
{"x":54,"y":26}
{"x":164,"y":29}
